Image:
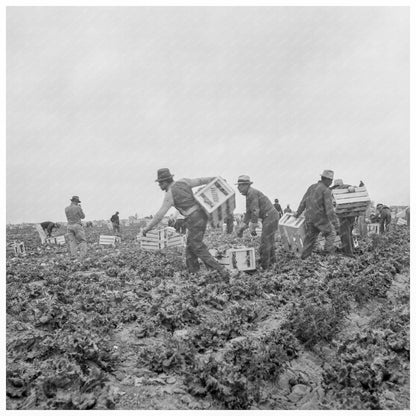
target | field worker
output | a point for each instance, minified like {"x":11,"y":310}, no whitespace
{"x":384,"y":215}
{"x":229,"y":222}
{"x":287,"y":209}
{"x":48,"y":226}
{"x":179,"y":194}
{"x":320,"y":215}
{"x":278,"y":207}
{"x":259,"y":206}
{"x":346,"y":224}
{"x":115,"y":221}
{"x":76,"y":233}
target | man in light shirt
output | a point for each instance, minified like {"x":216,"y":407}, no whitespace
{"x":179,"y":195}
{"x":76,"y":233}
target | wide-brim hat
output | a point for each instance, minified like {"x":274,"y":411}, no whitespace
{"x":329,"y":174}
{"x":163,"y":174}
{"x":75,"y":199}
{"x":243,"y":179}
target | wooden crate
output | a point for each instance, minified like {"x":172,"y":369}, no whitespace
{"x":151,"y":244}
{"x":175,"y":241}
{"x":292,"y":232}
{"x":241,"y":259}
{"x":401,"y":221}
{"x":16,"y":248}
{"x":59,"y":240}
{"x":320,"y":242}
{"x":217,"y":199}
{"x":373,"y":229}
{"x":109,"y":240}
{"x":349,"y":203}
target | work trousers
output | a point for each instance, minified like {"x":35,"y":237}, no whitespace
{"x":267,"y":241}
{"x":116,"y":227}
{"x":312,"y":233}
{"x":385,"y":221}
{"x":76,"y":235}
{"x":345,"y":230}
{"x":195,"y":248}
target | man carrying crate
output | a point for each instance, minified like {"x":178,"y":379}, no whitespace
{"x":320,"y":215}
{"x":179,"y":194}
{"x":259,"y":206}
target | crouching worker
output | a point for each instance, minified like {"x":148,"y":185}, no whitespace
{"x":76,"y":233}
{"x":179,"y":194}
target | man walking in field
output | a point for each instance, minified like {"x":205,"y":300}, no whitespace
{"x":258,"y":206}
{"x":384,"y":217}
{"x":76,"y":233}
{"x":179,"y":194}
{"x":320,"y":215}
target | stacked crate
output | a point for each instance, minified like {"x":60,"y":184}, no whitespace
{"x":373,"y":229}
{"x":352,"y":201}
{"x":16,"y":248}
{"x":292,"y":232}
{"x":217,"y":199}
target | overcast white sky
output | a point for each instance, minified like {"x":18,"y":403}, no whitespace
{"x":100,"y":98}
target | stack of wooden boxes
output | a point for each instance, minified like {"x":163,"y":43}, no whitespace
{"x":217,"y":199}
{"x":292,"y":232}
{"x":16,"y":248}
{"x":351,"y":202}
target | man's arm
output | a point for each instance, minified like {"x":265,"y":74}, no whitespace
{"x":302,"y":204}
{"x":329,"y":207}
{"x":81,"y":212}
{"x":167,"y":203}
{"x":198,"y":181}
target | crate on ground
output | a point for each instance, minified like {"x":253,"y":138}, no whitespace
{"x":175,"y":241}
{"x":243,"y":258}
{"x":151,"y":244}
{"x":217,"y":199}
{"x":320,"y":242}
{"x":17,"y":248}
{"x":292,"y":232}
{"x":109,"y":240}
{"x":373,"y":229}
{"x":58,"y":240}
{"x":352,"y":201}
{"x":401,"y":221}
{"x":160,"y":239}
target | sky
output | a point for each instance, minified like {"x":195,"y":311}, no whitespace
{"x":99,"y":98}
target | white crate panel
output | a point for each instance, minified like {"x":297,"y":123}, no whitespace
{"x":373,"y":229}
{"x":109,"y":240}
{"x":217,"y":217}
{"x":214,"y":194}
{"x":241,"y":259}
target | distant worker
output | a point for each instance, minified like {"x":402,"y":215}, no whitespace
{"x":48,"y":226}
{"x":346,"y":224}
{"x":278,"y":207}
{"x":320,"y":215}
{"x":287,"y":209}
{"x":115,"y":221}
{"x":258,"y":206}
{"x":179,"y":194}
{"x":384,"y":217}
{"x":76,"y":233}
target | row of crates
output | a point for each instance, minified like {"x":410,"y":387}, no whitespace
{"x":292,"y":232}
{"x":17,"y":248}
{"x":160,"y":239}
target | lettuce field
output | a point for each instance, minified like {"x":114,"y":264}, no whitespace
{"x":131,"y":329}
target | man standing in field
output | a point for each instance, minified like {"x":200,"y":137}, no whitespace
{"x":76,"y":233}
{"x":48,"y":226}
{"x":320,"y":215}
{"x":278,"y":207}
{"x":115,"y":220}
{"x":259,"y":206}
{"x":179,"y":194}
{"x":384,"y":215}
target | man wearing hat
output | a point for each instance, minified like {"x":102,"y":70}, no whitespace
{"x":320,"y":215}
{"x":179,"y":195}
{"x":384,"y":217}
{"x":115,"y":220}
{"x":76,"y":233}
{"x":278,"y":207}
{"x":259,"y":206}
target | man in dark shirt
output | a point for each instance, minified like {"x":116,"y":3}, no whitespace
{"x":288,"y":209}
{"x":48,"y":226}
{"x":278,"y":207}
{"x":384,"y":217}
{"x":259,"y":206}
{"x":320,"y":215}
{"x":115,"y":220}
